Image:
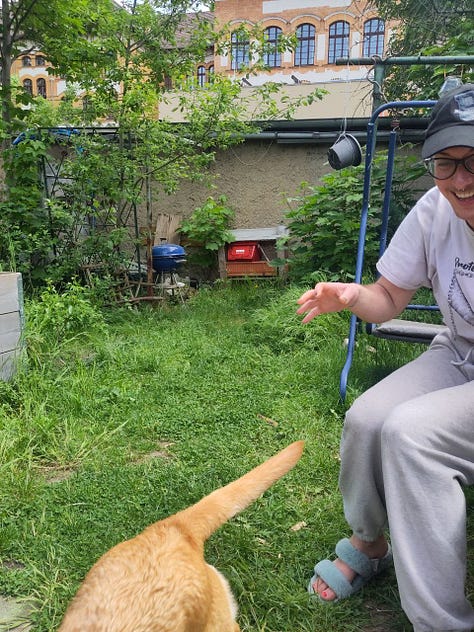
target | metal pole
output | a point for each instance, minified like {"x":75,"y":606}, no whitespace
{"x":377,"y":94}
{"x":422,"y":60}
{"x":379,"y":65}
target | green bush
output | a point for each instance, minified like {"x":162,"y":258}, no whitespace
{"x":50,"y":239}
{"x":207,"y":230}
{"x":324,"y":226}
{"x":56,"y":318}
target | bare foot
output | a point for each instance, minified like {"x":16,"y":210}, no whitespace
{"x":374,"y":550}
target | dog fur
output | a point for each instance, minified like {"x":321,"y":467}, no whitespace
{"x":159,"y":580}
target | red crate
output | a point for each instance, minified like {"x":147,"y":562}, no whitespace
{"x":250,"y":268}
{"x":243,"y":251}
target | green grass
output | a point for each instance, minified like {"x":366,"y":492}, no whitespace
{"x":120,"y":421}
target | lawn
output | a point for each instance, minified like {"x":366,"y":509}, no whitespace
{"x":124,"y":417}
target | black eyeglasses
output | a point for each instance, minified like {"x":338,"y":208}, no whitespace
{"x":444,"y":168}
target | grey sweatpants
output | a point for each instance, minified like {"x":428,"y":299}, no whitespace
{"x":407,"y":449}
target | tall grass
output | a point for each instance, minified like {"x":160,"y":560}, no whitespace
{"x":122,"y":418}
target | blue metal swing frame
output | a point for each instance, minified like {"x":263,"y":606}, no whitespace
{"x":418,"y":333}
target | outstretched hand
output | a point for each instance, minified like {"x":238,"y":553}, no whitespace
{"x":327,"y":297}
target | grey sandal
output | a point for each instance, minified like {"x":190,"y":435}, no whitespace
{"x":365,"y":567}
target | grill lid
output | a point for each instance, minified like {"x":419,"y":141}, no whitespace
{"x":168,"y":250}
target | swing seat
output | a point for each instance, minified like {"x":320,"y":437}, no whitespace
{"x":406,"y":330}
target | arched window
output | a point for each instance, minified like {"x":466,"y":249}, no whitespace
{"x":40,"y":60}
{"x":304,"y":52}
{"x":201,"y":75}
{"x":210,"y":72}
{"x":239,"y":49}
{"x":41,"y":87}
{"x":272,"y":56}
{"x":338,"y":40}
{"x":26,"y":61}
{"x":374,"y":34}
{"x":28,"y":86}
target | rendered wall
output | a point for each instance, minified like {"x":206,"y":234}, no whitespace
{"x":256,"y":177}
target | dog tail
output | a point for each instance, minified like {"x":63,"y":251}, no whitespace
{"x":203,"y":518}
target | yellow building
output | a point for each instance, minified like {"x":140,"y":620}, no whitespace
{"x":31,"y":68}
{"x":324,"y":30}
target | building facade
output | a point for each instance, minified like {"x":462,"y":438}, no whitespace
{"x":31,"y":69}
{"x":325,"y":30}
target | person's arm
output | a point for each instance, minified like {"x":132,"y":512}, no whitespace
{"x":375,"y":303}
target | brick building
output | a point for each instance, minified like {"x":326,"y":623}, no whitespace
{"x":324,"y":29}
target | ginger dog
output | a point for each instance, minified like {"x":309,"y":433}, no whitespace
{"x":159,"y":581}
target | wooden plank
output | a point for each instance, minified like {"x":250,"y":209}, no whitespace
{"x":10,"y":297}
{"x":271,"y":233}
{"x":167,"y":229}
{"x":9,"y":364}
{"x":10,"y":331}
{"x":11,"y":323}
{"x":221,"y":263}
{"x":250,"y":268}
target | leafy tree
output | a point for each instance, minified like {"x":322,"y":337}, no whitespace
{"x":427,"y":27}
{"x":105,"y":177}
{"x":32,"y":23}
{"x":422,"y":23}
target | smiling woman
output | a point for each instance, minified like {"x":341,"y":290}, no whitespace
{"x":449,"y":152}
{"x":453,"y":170}
{"x":415,"y":426}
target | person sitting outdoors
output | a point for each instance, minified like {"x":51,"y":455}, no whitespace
{"x":407,"y":447}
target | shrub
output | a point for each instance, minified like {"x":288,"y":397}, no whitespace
{"x":324,"y":226}
{"x":56,"y":318}
{"x":207,"y":230}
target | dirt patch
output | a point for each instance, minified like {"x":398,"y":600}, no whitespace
{"x":12,"y":565}
{"x":56,"y":473}
{"x":383,"y":619}
{"x":161,"y":452}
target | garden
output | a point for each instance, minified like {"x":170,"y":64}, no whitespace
{"x":123,"y":416}
{"x":122,"y":412}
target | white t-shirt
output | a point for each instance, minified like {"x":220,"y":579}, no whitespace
{"x":434,"y":248}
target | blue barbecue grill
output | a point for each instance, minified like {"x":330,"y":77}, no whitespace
{"x":167,"y":257}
